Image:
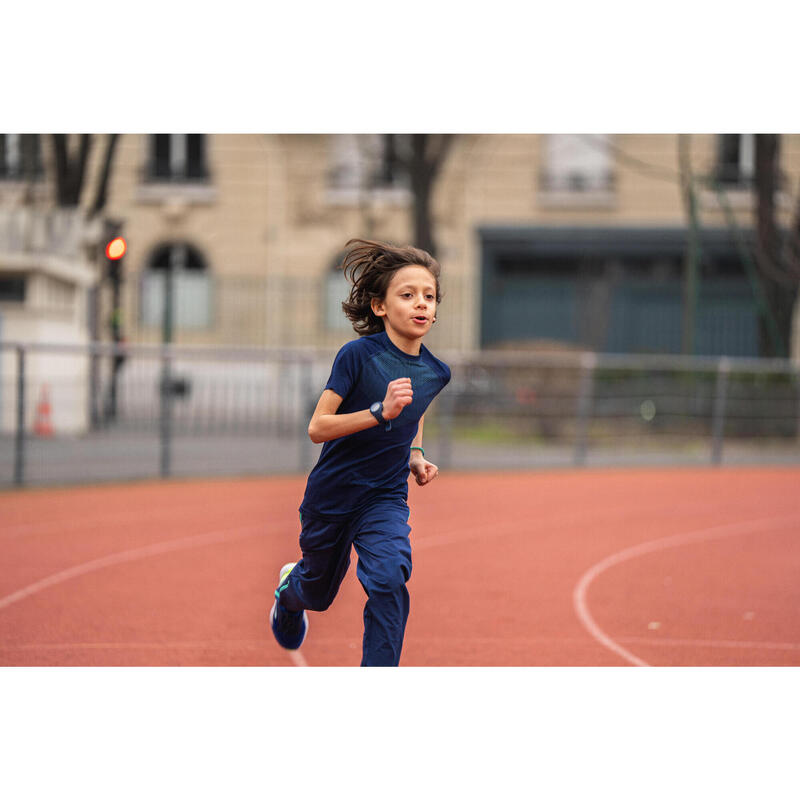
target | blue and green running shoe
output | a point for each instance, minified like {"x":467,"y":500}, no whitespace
{"x":288,"y":627}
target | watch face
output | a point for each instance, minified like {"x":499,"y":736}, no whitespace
{"x":375,"y":408}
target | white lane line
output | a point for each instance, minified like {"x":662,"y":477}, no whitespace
{"x":126,"y":556}
{"x":157,"y":515}
{"x":136,"y":554}
{"x":297,"y":658}
{"x":717,"y":532}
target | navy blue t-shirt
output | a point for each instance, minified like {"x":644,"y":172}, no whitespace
{"x":355,"y":468}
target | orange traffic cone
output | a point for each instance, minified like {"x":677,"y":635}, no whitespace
{"x":42,"y":426}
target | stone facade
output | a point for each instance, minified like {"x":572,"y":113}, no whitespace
{"x":271,"y":217}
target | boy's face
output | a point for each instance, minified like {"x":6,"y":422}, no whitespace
{"x":410,"y":303}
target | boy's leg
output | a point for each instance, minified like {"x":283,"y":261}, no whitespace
{"x":384,"y":566}
{"x":315,"y":580}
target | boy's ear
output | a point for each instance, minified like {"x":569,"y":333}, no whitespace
{"x":377,"y":307}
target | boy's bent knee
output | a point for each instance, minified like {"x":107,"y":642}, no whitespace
{"x":389,"y":579}
{"x":320,"y":603}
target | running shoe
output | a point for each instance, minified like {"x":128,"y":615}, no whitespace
{"x":288,"y":627}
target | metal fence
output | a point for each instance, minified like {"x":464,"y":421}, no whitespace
{"x":93,"y":413}
{"x":287,"y":311}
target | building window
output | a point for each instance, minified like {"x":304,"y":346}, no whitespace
{"x":393,"y":150}
{"x":576,"y":163}
{"x":12,"y":289}
{"x":177,"y":157}
{"x":20,"y":156}
{"x":369,"y":161}
{"x":736,"y":159}
{"x":192,"y":288}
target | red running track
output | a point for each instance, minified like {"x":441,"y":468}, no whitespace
{"x":656,"y":567}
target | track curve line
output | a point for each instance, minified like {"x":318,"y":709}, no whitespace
{"x":705,"y":534}
{"x":135,"y":554}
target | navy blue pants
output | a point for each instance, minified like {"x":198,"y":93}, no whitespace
{"x":380,"y":535}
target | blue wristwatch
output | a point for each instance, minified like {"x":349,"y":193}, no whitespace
{"x":376,"y":409}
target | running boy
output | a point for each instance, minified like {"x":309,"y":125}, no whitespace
{"x":370,"y":417}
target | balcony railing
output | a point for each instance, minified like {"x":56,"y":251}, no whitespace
{"x":577,"y":182}
{"x":29,"y":231}
{"x":153,"y":172}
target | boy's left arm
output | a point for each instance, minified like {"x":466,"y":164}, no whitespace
{"x":424,"y":472}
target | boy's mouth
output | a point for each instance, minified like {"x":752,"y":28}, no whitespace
{"x":420,"y":319}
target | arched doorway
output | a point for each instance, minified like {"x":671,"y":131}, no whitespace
{"x":192,"y":308}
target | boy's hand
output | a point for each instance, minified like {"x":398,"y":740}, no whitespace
{"x":423,"y":471}
{"x":398,"y":395}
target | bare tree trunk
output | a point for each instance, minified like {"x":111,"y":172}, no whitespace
{"x":80,"y":168}
{"x":691,"y":268}
{"x":766,"y":184}
{"x":421,"y":189}
{"x":70,"y":172}
{"x":428,"y":152}
{"x":780,"y":298}
{"x":793,"y":244}
{"x":62,"y":167}
{"x":30,"y":165}
{"x":105,"y":173}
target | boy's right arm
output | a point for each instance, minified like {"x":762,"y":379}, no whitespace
{"x":326,"y":424}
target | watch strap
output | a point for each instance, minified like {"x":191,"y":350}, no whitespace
{"x":379,"y":415}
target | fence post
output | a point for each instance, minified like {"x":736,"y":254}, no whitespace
{"x":19,"y":441}
{"x":796,"y":373}
{"x":718,"y":420}
{"x":584,"y":410}
{"x":165,"y":422}
{"x":306,"y":409}
{"x":94,"y":358}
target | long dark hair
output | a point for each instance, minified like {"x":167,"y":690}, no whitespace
{"x":370,"y":267}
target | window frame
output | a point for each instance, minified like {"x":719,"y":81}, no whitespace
{"x":740,"y":175}
{"x":151,"y":301}
{"x":366,"y":166}
{"x":170,"y":158}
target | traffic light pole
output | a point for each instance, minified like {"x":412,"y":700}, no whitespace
{"x":114,"y":252}
{"x":116,"y":336}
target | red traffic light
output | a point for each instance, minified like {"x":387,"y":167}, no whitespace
{"x":116,"y":248}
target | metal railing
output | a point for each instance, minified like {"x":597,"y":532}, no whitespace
{"x":90,"y":413}
{"x":274,"y":310}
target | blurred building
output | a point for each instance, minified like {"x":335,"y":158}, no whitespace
{"x":579,"y":240}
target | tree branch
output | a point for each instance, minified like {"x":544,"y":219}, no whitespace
{"x":792,"y":248}
{"x":70,"y":173}
{"x":79,"y":169}
{"x":102,"y":184}
{"x":62,"y":168}
{"x":438,"y":154}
